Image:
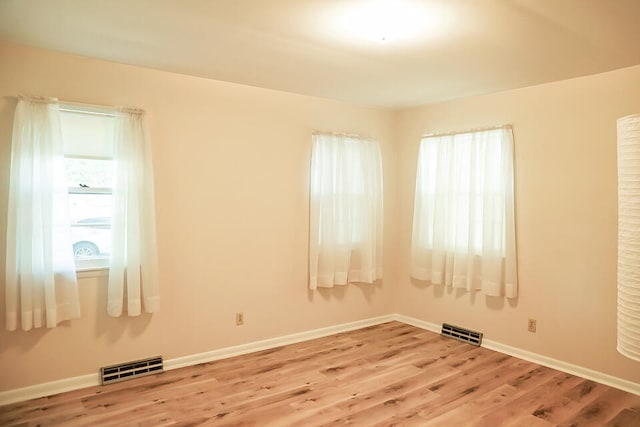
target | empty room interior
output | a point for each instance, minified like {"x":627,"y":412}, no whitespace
{"x":366,"y":212}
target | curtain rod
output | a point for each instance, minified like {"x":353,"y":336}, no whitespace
{"x":478,"y":129}
{"x":77,"y":107}
{"x":82,"y":107}
{"x":92,"y":110}
{"x":348,"y":135}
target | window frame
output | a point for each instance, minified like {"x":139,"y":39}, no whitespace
{"x":357,"y":194}
{"x":431,"y":192}
{"x":98,"y":263}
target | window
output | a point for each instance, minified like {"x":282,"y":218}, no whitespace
{"x":71,"y":167}
{"x":88,"y":150}
{"x":463,"y":225}
{"x":346,"y":211}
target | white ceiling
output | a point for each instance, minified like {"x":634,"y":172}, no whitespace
{"x":445,"y":49}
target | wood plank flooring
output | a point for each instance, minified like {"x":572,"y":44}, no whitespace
{"x":385,"y":375}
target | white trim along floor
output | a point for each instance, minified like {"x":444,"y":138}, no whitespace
{"x":89,"y":380}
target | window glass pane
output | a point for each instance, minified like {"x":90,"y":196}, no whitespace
{"x":91,"y":225}
{"x":88,"y":149}
{"x":91,"y":172}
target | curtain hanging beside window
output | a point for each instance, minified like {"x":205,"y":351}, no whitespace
{"x":346,"y":211}
{"x":629,"y":236}
{"x":133,"y":275}
{"x":463,"y":223}
{"x":41,"y":284}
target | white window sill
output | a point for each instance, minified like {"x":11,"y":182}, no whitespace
{"x":90,"y":272}
{"x":92,"y":267}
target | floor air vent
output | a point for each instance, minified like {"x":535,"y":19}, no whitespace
{"x":130,"y":370}
{"x":462,"y":334}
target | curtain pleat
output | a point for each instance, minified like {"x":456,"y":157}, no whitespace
{"x":41,"y":285}
{"x":629,"y":236}
{"x":133,"y":275}
{"x":346,"y":211}
{"x":464,"y":224}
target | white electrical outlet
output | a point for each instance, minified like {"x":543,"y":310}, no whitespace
{"x":239,"y":319}
{"x":531,"y":325}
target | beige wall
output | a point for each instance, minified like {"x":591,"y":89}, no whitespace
{"x":566,"y":207}
{"x":231,"y":167}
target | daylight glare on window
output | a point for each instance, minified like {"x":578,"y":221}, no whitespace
{"x":89,"y":171}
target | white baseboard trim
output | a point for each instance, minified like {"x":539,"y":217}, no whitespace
{"x":90,"y":380}
{"x":433,"y":327}
{"x":238,"y":350}
{"x":549,"y":362}
{"x":47,"y":389}
{"x":559,"y":365}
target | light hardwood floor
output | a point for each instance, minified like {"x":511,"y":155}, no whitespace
{"x":385,"y":375}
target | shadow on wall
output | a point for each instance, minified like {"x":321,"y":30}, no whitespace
{"x":7,"y":110}
{"x":441,"y":291}
{"x":113,"y":328}
{"x":339,"y":291}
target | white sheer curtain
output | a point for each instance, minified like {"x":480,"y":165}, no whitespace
{"x":629,"y":236}
{"x":345,"y":243}
{"x":463,"y":222}
{"x":41,"y":286}
{"x":133,"y":275}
